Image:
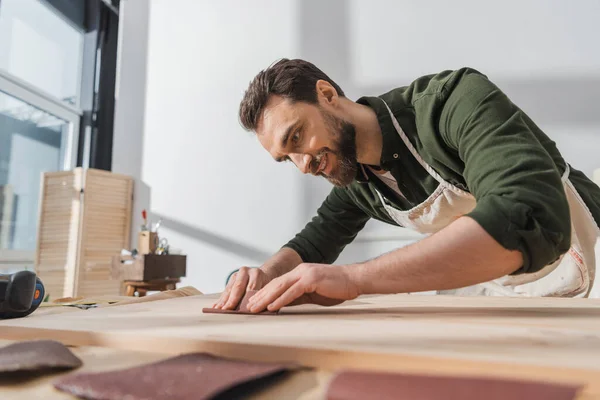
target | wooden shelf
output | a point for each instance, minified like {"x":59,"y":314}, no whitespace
{"x":84,"y":220}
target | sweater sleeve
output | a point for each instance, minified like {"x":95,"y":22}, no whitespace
{"x":521,"y":201}
{"x":336,"y":224}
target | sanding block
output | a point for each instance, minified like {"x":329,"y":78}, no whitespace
{"x":242,"y":307}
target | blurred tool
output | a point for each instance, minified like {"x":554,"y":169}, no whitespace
{"x":145,"y":217}
{"x":163,"y":247}
{"x":157,"y":225}
{"x":21,"y":294}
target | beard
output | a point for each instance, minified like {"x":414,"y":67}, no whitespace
{"x":344,"y":138}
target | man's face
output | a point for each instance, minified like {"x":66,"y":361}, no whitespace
{"x":311,"y":137}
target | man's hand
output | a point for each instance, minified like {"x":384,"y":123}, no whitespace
{"x":307,"y":283}
{"x":245,"y":278}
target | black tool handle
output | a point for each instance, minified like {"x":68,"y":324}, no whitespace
{"x":21,"y":293}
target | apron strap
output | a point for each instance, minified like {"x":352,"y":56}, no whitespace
{"x":565,"y":175}
{"x":416,"y":155}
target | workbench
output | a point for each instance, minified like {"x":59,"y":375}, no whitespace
{"x":547,"y":339}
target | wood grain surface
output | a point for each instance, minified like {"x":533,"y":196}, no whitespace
{"x":547,"y":339}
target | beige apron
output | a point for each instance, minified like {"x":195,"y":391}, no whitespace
{"x":572,"y":275}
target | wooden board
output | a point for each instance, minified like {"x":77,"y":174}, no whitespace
{"x":536,"y":338}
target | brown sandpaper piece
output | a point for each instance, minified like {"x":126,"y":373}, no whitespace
{"x":241,"y":308}
{"x":37,"y":355}
{"x":354,"y":385}
{"x":189,"y":376}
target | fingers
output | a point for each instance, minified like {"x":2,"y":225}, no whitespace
{"x":238,"y":289}
{"x":225,"y":295}
{"x":254,"y":279}
{"x":294,"y":292}
{"x":272,"y":291}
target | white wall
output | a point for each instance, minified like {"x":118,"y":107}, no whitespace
{"x":130,"y":101}
{"x":522,"y":39}
{"x":224,"y":202}
{"x":221,"y":201}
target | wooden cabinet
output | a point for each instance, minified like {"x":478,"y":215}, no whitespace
{"x":148,"y":267}
{"x":84,"y":220}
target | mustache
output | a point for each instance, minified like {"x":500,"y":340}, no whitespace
{"x":316,"y":161}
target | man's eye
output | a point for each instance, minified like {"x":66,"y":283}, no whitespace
{"x":296,"y":137}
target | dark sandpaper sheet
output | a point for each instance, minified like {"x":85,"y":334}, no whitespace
{"x":37,"y":356}
{"x":191,"y":376}
{"x":241,"y":308}
{"x":355,"y":385}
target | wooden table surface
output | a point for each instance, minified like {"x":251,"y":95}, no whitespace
{"x":300,"y":385}
{"x":536,"y":338}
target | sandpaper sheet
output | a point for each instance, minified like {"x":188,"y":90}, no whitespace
{"x":355,"y":385}
{"x":241,"y":308}
{"x":37,"y":355}
{"x":189,"y":376}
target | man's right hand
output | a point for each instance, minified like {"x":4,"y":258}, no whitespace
{"x":244,"y":278}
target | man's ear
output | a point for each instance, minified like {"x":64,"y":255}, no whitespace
{"x":326,"y":93}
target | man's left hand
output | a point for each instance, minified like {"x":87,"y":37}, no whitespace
{"x":307,"y":283}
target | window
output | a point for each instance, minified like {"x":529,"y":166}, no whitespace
{"x":41,"y":47}
{"x":32,"y":141}
{"x":57,"y":73}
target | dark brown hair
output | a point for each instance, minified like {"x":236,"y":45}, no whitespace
{"x":292,"y":79}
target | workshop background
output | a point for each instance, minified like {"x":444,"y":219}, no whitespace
{"x":183,"y":65}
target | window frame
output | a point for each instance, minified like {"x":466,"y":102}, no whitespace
{"x":23,"y":91}
{"x":90,"y":123}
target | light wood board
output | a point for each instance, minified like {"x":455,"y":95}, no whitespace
{"x":536,"y":338}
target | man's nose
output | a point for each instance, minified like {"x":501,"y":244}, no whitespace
{"x":302,"y":161}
